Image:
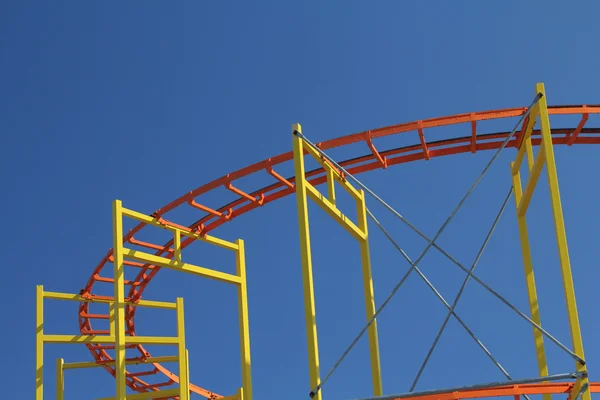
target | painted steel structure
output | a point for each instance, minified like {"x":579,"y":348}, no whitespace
{"x":116,"y":339}
{"x":214,"y":217}
{"x":359,"y":231}
{"x":523,"y":198}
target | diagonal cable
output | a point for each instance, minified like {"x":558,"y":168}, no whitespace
{"x":429,"y":245}
{"x":450,"y":308}
{"x":460,"y":292}
{"x":432,"y":241}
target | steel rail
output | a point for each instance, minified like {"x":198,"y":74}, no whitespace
{"x":215,"y":217}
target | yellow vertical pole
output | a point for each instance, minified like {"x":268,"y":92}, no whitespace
{"x":39,"y":343}
{"x":529,"y":152}
{"x":305,"y":255}
{"x":184,"y":390}
{"x":187,"y":366}
{"x":530,"y":277}
{"x":111,"y":318}
{"x":361,"y":210}
{"x":244,"y":324}
{"x":177,"y":246}
{"x":561,"y":236}
{"x":119,"y":300}
{"x":331,"y":186}
{"x":60,"y":379}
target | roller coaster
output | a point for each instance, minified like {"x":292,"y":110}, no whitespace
{"x":118,"y":347}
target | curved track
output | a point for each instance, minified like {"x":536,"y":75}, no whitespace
{"x":246,"y":202}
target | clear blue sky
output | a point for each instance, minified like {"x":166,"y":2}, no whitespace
{"x":143,"y":101}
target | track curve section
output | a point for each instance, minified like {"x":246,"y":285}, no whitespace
{"x":473,"y":141}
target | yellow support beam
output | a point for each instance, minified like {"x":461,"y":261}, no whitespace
{"x":545,"y":157}
{"x":153,"y":221}
{"x":239,"y":395}
{"x":184,"y":389}
{"x":77,"y":339}
{"x":180,"y":266}
{"x":330,"y":170}
{"x":177,"y":246}
{"x":118,"y":323}
{"x":306,"y":258}
{"x":187,"y":367}
{"x":60,"y":379}
{"x":80,"y":298}
{"x":529,"y":151}
{"x":93,"y":364}
{"x":39,"y":343}
{"x":163,"y":340}
{"x":331,"y":187}
{"x":526,"y":139}
{"x":530,"y":279}
{"x":534,"y":175}
{"x":243,"y":316}
{"x":561,"y":236}
{"x":360,"y":232}
{"x":333,"y":212}
{"x":361,"y":210}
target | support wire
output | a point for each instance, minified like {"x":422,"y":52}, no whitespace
{"x":439,"y":296}
{"x":460,"y":292}
{"x":431,"y":242}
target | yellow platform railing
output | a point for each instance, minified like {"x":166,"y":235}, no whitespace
{"x":117,"y":306}
{"x":42,"y":338}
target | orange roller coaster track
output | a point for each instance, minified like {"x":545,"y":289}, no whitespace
{"x":281,"y":187}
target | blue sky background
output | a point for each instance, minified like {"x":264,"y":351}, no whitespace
{"x":144,"y":101}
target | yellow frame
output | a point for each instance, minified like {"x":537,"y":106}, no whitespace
{"x":117,"y":312}
{"x":545,"y":156}
{"x":359,"y":231}
{"x":239,"y":279}
{"x":42,"y":338}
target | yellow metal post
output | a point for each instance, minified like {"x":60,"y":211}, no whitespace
{"x":361,"y":209}
{"x":60,"y":379}
{"x":530,"y":280}
{"x":331,"y":186}
{"x":184,"y":390}
{"x":39,"y":343}
{"x":119,"y":300}
{"x":111,"y":318}
{"x":177,"y":246}
{"x":561,"y":236}
{"x":187,"y":367}
{"x":244,"y":324}
{"x":306,"y":258}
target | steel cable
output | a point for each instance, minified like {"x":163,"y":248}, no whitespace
{"x":431,"y":243}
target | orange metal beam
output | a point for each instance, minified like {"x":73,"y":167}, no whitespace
{"x":507,"y":391}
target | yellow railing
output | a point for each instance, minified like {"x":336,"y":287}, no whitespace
{"x":43,"y":338}
{"x":117,"y":313}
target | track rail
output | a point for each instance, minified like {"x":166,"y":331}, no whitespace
{"x":281,"y":187}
